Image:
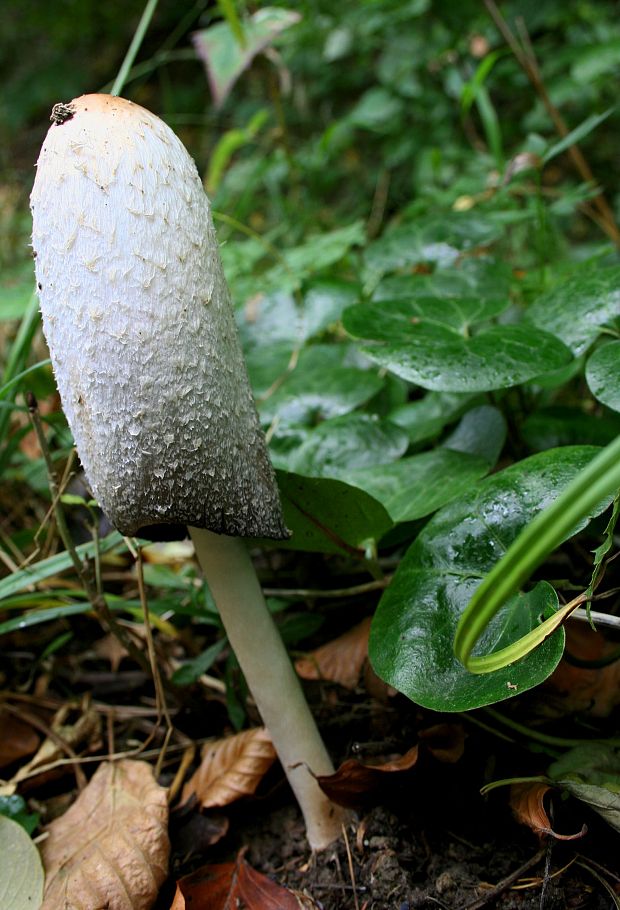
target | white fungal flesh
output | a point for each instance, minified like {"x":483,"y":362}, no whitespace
{"x":138,"y":319}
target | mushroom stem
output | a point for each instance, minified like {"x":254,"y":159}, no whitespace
{"x":274,"y":685}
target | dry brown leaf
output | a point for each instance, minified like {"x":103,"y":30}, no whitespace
{"x":231,"y":768}
{"x":446,"y":742}
{"x":111,"y":848}
{"x":580,"y":690}
{"x":527,"y":801}
{"x":110,"y":648}
{"x":18,"y":739}
{"x":341,"y":660}
{"x":227,"y":885}
{"x":355,"y":782}
{"x":85,"y":732}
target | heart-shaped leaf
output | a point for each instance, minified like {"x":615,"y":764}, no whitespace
{"x":416,"y":486}
{"x":411,"y":642}
{"x":575,"y":310}
{"x":21,"y":872}
{"x":603,"y":374}
{"x":430,"y":342}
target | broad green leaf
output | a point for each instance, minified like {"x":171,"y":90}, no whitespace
{"x":316,"y":253}
{"x":21,"y":871}
{"x":603,"y":374}
{"x":323,"y":304}
{"x":53,"y":565}
{"x":322,"y":385}
{"x":419,"y":485}
{"x":437,"y":239}
{"x":483,"y":278}
{"x":225,"y":58}
{"x":377,"y":109}
{"x":411,"y":642}
{"x":576,"y":310}
{"x":482,"y":431}
{"x":596,"y":60}
{"x":434,"y":343}
{"x":591,"y":773}
{"x":425,"y":418}
{"x":329,"y":516}
{"x":344,"y":443}
{"x":564,"y":426}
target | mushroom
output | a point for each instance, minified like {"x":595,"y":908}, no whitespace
{"x":139,"y":322}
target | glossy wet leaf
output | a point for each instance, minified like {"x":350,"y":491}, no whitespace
{"x":563,"y":426}
{"x":577,"y":309}
{"x":483,"y":278}
{"x":15,"y":808}
{"x":426,"y":417}
{"x":432,"y":239}
{"x":329,"y":516}
{"x":345,"y":443}
{"x":21,"y":872}
{"x":482,"y":432}
{"x":435,"y":344}
{"x":413,"y":630}
{"x":223,"y":886}
{"x":416,"y":486}
{"x":603,"y":374}
{"x":321,"y":386}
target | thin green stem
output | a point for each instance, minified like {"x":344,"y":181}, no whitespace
{"x":134,"y":47}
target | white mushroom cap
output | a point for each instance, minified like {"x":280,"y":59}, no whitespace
{"x":139,"y":322}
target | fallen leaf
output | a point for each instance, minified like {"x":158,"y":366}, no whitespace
{"x":340,"y":660}
{"x":18,"y":739}
{"x":527,"y":801}
{"x":446,"y":742}
{"x":85,"y":732}
{"x":21,"y":873}
{"x":582,"y":690}
{"x":191,"y":832}
{"x":227,"y":885}
{"x":355,"y":782}
{"x":110,"y":849}
{"x":231,"y":768}
{"x":111,"y":649}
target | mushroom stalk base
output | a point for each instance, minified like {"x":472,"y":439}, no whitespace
{"x":271,"y":678}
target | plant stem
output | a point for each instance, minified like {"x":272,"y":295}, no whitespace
{"x":134,"y":47}
{"x":272,"y":680}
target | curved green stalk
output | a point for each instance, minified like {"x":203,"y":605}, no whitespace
{"x":134,"y":47}
{"x":601,"y":478}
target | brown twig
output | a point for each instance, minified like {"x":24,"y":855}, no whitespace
{"x":526,"y":57}
{"x":505,"y":883}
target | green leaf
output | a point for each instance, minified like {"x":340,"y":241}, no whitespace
{"x":53,"y":565}
{"x":563,"y":426}
{"x":15,"y":807}
{"x":21,"y":871}
{"x":576,"y":135}
{"x":411,"y":643}
{"x":482,"y":431}
{"x":437,"y":239}
{"x":603,"y":374}
{"x":591,"y":772}
{"x":430,"y":342}
{"x":344,"y":443}
{"x":416,"y":486}
{"x":315,"y":254}
{"x":576,"y":310}
{"x":321,"y":386}
{"x":225,"y":58}
{"x":193,"y":669}
{"x":329,"y":516}
{"x":483,"y":278}
{"x":16,"y":289}
{"x":424,"y":419}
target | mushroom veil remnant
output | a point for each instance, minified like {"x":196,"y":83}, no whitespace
{"x":138,"y":318}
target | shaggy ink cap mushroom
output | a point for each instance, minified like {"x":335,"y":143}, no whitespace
{"x":138,"y":318}
{"x":140,"y":327}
